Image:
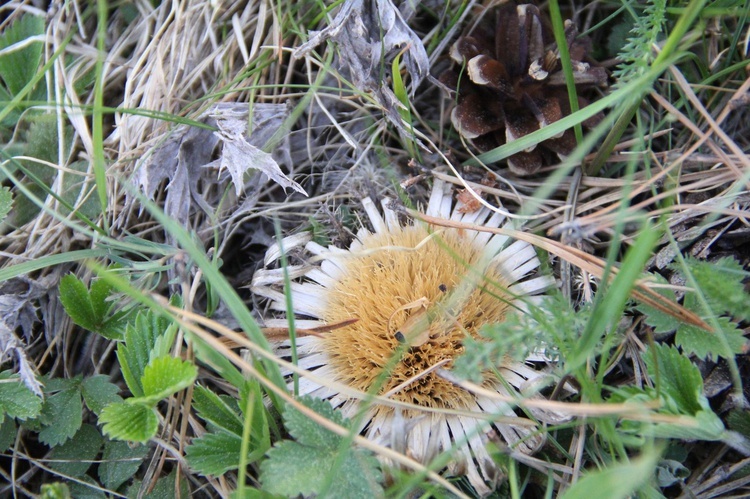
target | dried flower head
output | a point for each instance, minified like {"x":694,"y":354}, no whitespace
{"x":511,"y":82}
{"x":406,"y":296}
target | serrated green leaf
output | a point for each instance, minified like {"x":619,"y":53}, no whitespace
{"x":74,"y":457}
{"x":721,"y":284}
{"x":6,"y":202}
{"x":293,"y":469}
{"x":8,"y":433}
{"x":86,"y":488}
{"x":677,"y":377}
{"x":705,"y":344}
{"x":163,"y":342}
{"x":98,"y":293}
{"x":16,"y":400}
{"x":119,"y":463}
{"x":132,"y":422}
{"x":89,"y":308}
{"x":77,"y":302}
{"x":662,"y":323}
{"x":17,"y":67}
{"x":616,"y":481}
{"x":303,"y":467}
{"x":308,"y":432}
{"x":98,"y":392}
{"x":114,"y":327}
{"x":165,"y":376}
{"x":215,"y":453}
{"x":135,"y":353}
{"x":680,"y":386}
{"x":62,"y":415}
{"x":54,"y":385}
{"x":216,"y":411}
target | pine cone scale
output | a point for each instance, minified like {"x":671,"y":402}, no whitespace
{"x":513,"y":82}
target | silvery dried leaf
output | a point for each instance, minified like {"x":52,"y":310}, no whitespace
{"x":14,"y":312}
{"x":369,"y":32}
{"x":184,"y":157}
{"x":238,"y":154}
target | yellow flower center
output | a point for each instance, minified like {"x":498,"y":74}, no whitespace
{"x":405,"y":290}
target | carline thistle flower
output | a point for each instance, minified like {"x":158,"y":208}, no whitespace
{"x":407,"y":295}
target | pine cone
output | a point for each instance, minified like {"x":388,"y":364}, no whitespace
{"x":513,"y":83}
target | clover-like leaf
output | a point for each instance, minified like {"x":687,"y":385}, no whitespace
{"x":77,"y":302}
{"x":165,"y":376}
{"x":126,"y":421}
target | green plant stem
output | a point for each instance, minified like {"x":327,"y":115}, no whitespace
{"x":558,"y":27}
{"x":100,"y":167}
{"x":245,"y":446}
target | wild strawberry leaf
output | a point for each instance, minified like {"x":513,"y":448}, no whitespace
{"x":215,"y":453}
{"x":18,"y":66}
{"x":89,"y":308}
{"x":662,"y":322}
{"x":62,"y":415}
{"x":305,"y":466}
{"x":165,"y":376}
{"x":120,"y":461}
{"x":98,"y":392}
{"x":137,"y":351}
{"x":77,"y":302}
{"x":131,"y":422}
{"x":16,"y":400}
{"x":219,"y":450}
{"x":618,"y":480}
{"x":217,"y":411}
{"x":679,"y":385}
{"x":75,"y":457}
{"x":720,"y":283}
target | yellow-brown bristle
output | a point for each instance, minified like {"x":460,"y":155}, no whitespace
{"x":383,"y":288}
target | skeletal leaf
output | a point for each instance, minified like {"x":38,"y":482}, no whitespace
{"x":238,"y":155}
{"x":370,"y":33}
{"x":186,"y":157}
